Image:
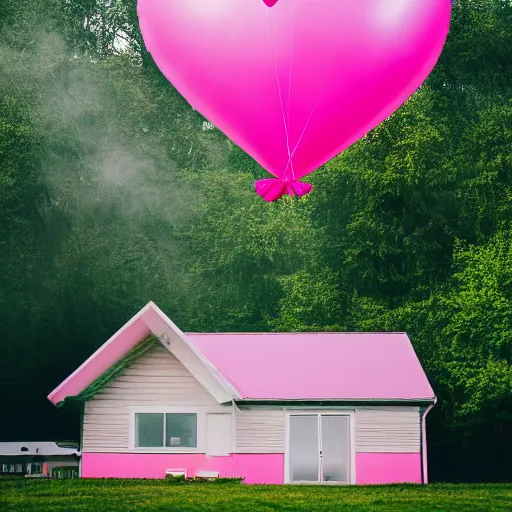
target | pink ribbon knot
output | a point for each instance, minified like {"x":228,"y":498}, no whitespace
{"x":272,"y":189}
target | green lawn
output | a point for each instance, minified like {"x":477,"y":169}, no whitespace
{"x":159,"y":495}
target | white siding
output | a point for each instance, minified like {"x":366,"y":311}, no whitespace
{"x":260,"y":431}
{"x":378,"y":429}
{"x":388,"y":429}
{"x":157,"y":378}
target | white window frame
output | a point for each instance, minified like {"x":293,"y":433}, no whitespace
{"x":201,"y":412}
{"x":350,"y":412}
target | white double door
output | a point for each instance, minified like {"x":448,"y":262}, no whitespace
{"x":319,"y":448}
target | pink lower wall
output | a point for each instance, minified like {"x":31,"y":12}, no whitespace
{"x":388,"y":468}
{"x":256,"y":468}
{"x":371,"y":468}
{"x":260,"y":468}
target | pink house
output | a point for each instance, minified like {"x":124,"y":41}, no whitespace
{"x":272,"y":408}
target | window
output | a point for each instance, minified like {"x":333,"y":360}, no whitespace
{"x":181,"y":430}
{"x":5,"y":468}
{"x":37,"y":468}
{"x":170,"y":430}
{"x":149,"y":430}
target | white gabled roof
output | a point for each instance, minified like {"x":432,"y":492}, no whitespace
{"x":149,"y":320}
{"x":47,"y":448}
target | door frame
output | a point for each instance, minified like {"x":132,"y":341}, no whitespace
{"x":339,"y":411}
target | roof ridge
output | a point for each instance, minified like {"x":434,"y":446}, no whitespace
{"x":290,"y":333}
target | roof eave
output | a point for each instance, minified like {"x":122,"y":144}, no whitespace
{"x":338,"y":401}
{"x":222,"y":390}
{"x":58,"y":395}
{"x":156,"y":322}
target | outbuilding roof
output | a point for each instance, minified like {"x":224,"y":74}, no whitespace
{"x":268,"y":366}
{"x":47,"y":448}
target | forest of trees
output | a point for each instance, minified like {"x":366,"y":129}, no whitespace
{"x":114,"y":192}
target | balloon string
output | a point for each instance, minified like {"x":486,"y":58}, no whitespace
{"x":302,"y":134}
{"x":286,"y":120}
{"x":280,"y":99}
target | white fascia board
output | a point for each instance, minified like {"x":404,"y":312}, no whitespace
{"x":175,"y":341}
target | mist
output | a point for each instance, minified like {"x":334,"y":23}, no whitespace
{"x":100,"y":147}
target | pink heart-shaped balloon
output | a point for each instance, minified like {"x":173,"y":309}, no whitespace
{"x":297,"y":84}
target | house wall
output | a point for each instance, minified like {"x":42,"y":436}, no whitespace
{"x":388,"y":468}
{"x":157,"y":378}
{"x":260,"y":431}
{"x":387,"y":439}
{"x":388,"y":445}
{"x":388,"y":430}
{"x":254,"y":468}
{"x":47,"y":462}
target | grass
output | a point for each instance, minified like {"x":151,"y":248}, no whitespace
{"x":158,"y":495}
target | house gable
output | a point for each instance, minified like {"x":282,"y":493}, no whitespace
{"x":175,"y":341}
{"x":125,"y":345}
{"x":156,"y":379}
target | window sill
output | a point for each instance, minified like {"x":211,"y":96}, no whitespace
{"x":167,"y":450}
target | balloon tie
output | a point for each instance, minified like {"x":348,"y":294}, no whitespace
{"x":272,"y":189}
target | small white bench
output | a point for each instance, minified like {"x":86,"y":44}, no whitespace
{"x":176,"y":472}
{"x":207,"y":474}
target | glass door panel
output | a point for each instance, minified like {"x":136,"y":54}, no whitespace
{"x":304,"y":448}
{"x":335,"y":448}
